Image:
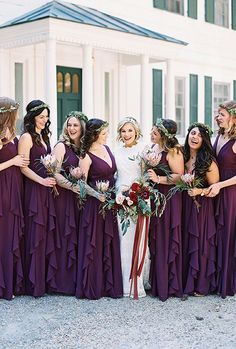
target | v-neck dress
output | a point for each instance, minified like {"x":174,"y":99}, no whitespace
{"x":99,"y":264}
{"x":226,"y":222}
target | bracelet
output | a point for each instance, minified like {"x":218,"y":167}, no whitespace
{"x":158,"y":179}
{"x":203,"y":192}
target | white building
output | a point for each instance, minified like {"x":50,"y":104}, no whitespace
{"x":112,"y":61}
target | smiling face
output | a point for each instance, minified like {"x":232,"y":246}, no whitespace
{"x":155,"y":135}
{"x":74,"y":129}
{"x":103,"y":135}
{"x":128,"y":134}
{"x":41,"y":120}
{"x":195,"y":139}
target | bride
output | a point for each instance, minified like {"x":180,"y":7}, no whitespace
{"x":128,"y":170}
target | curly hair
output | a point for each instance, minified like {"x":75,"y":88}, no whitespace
{"x":64,"y":136}
{"x":131,"y":121}
{"x":93,"y":129}
{"x":8,"y":118}
{"x":168,"y":138}
{"x":205,"y":154}
{"x":33,"y":109}
{"x":230,"y":107}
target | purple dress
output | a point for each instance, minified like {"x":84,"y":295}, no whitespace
{"x":40,"y":229}
{"x":11,"y":225}
{"x":226,"y":222}
{"x":199,"y":245}
{"x":67,"y":214}
{"x":99,"y":263}
{"x":166,"y":245}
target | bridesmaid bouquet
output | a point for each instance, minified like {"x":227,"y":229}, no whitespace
{"x":188,"y":181}
{"x":50,"y":162}
{"x":77,"y":178}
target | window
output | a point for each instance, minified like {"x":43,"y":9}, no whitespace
{"x":222,"y":13}
{"x":19,"y":94}
{"x":180,"y":105}
{"x":217,"y":12}
{"x":221,"y":94}
{"x":176,"y":6}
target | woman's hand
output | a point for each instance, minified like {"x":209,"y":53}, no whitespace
{"x":194,"y":192}
{"x":102,"y":197}
{"x":214,"y":190}
{"x":152,"y":176}
{"x":20,"y":161}
{"x":49,"y":182}
{"x":75,"y":189}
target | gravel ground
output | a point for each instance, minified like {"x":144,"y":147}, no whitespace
{"x":64,"y":322}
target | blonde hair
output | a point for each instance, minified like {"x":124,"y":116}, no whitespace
{"x":230,"y":107}
{"x":64,"y":136}
{"x":133,"y":122}
{"x":8,"y":117}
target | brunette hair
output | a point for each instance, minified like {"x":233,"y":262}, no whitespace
{"x":93,"y":129}
{"x":168,"y":129}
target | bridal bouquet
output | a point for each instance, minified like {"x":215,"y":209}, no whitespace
{"x":134,"y":201}
{"x":50,"y":162}
{"x":188,"y":181}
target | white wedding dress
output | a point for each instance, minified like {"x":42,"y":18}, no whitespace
{"x":128,"y":169}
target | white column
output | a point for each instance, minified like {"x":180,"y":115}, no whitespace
{"x":51,"y":86}
{"x":87,"y":82}
{"x":170,"y":91}
{"x":145,"y":115}
{"x":5,"y":78}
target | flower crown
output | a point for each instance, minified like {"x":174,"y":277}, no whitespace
{"x":104,"y":125}
{"x":10,"y":109}
{"x":231,"y":111}
{"x":78,"y":114}
{"x":43,"y":105}
{"x":205,"y":127}
{"x":160,"y":126}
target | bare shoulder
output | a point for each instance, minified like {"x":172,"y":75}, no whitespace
{"x":234,"y":147}
{"x":26,"y":138}
{"x":59,"y":147}
{"x":175,"y":153}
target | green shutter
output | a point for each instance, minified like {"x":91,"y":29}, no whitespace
{"x":210,"y":11}
{"x":157,"y":94}
{"x":159,"y":4}
{"x":233,"y":10}
{"x":234,"y":91}
{"x":208,"y":100}
{"x":193,"y":98}
{"x":192,"y":8}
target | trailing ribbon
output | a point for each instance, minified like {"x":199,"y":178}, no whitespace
{"x":136,"y":267}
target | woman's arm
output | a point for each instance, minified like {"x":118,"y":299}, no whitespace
{"x":24,"y":146}
{"x":212,"y":177}
{"x":59,"y":152}
{"x":176,"y":163}
{"x":18,"y":160}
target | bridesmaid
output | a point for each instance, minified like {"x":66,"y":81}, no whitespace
{"x":199,"y":229}
{"x":67,"y":152}
{"x":165,"y":231}
{"x":99,"y":265}
{"x":11,"y":213}
{"x":225,"y":149}
{"x":39,"y":204}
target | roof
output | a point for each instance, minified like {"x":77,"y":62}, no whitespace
{"x":85,"y":15}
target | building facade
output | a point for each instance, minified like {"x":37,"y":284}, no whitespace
{"x":146,"y":59}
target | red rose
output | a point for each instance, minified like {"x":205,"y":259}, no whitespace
{"x":133,"y":197}
{"x":145,"y":194}
{"x":135,"y":187}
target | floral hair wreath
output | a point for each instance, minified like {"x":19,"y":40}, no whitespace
{"x":10,"y":109}
{"x":231,"y":111}
{"x":104,"y":125}
{"x":78,"y":114}
{"x":205,"y":127}
{"x":160,"y":126}
{"x":43,"y":105}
